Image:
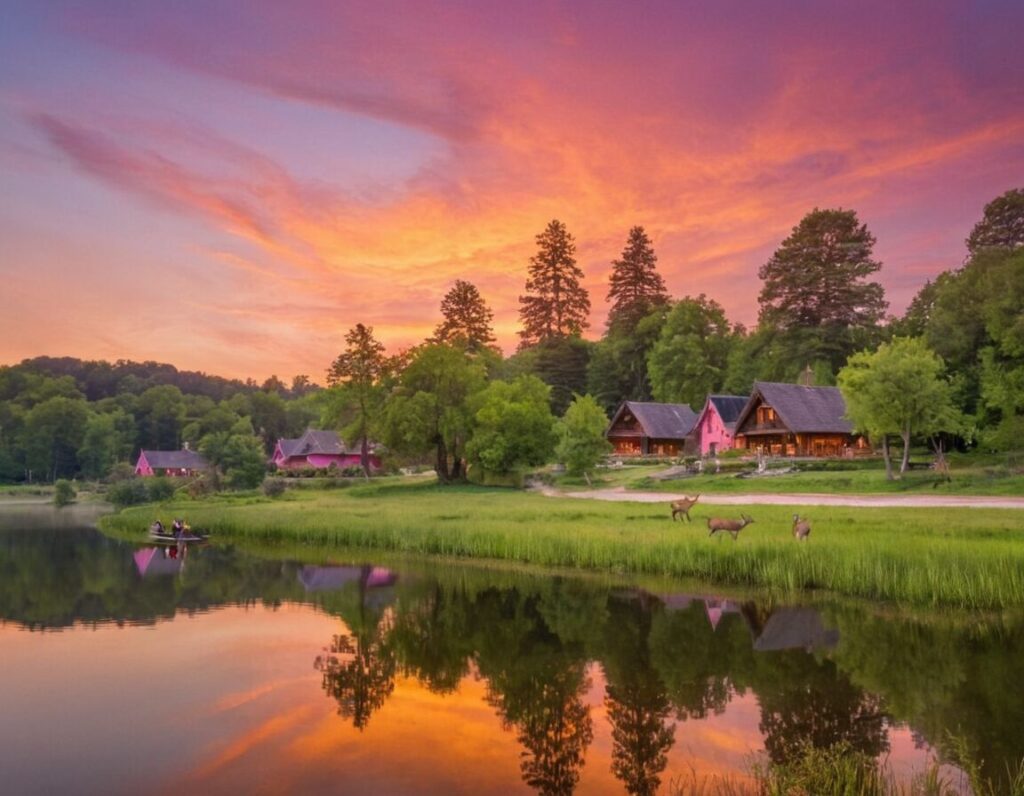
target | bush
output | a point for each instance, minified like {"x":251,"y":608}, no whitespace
{"x":122,"y":471}
{"x":64,"y":493}
{"x":352,"y":471}
{"x":274,"y":487}
{"x":159,"y":489}
{"x":128,"y":493}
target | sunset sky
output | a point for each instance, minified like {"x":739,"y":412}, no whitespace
{"x":230,"y":186}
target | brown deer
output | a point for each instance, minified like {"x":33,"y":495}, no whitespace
{"x":683,"y":506}
{"x":716,"y":524}
{"x":801,"y":528}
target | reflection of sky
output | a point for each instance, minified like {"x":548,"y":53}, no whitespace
{"x":230,"y":186}
{"x":229,"y":702}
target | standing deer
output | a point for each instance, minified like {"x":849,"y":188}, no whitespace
{"x":716,"y":524}
{"x":683,"y":506}
{"x":801,"y":528}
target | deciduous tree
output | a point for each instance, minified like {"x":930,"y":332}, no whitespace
{"x":581,"y":440}
{"x":356,"y":378}
{"x":1001,"y":226}
{"x":512,"y":426}
{"x":689,"y":359}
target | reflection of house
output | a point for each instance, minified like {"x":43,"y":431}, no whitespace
{"x":795,"y":628}
{"x":715,"y":608}
{"x":717,"y":422}
{"x":157,"y":561}
{"x":316,"y":578}
{"x":317,"y":449}
{"x":175,"y":463}
{"x":640,"y":428}
{"x":795,"y":420}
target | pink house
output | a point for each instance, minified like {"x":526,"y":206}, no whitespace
{"x":317,"y":449}
{"x":172,"y":463}
{"x":716,"y":423}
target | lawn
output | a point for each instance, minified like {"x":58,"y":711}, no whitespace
{"x":940,"y":557}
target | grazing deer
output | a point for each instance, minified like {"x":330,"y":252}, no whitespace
{"x":716,"y":524}
{"x":801,"y":528}
{"x":683,"y":506}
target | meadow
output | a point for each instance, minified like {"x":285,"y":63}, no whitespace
{"x":964,"y":558}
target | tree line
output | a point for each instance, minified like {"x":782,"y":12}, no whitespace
{"x":953,"y":363}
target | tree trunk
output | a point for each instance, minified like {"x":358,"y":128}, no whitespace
{"x":886,"y":456}
{"x":441,"y":466}
{"x":905,"y":464}
{"x":364,"y":457}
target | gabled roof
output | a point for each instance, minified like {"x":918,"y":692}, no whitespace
{"x":660,"y":421}
{"x":313,"y":441}
{"x":729,"y":407}
{"x":174,"y":460}
{"x":802,"y":409}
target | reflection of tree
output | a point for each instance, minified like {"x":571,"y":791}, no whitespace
{"x":635,"y":698}
{"x":432,"y":638}
{"x":806,"y":703}
{"x":358,"y":672}
{"x":537,"y":684}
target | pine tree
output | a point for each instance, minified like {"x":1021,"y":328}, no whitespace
{"x":636,"y":288}
{"x":1002,"y":225}
{"x":816,"y":297}
{"x":556,"y":304}
{"x":467,"y":318}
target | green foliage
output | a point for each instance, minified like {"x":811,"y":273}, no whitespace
{"x":128,"y":493}
{"x":159,"y":489}
{"x":561,"y":363}
{"x":690,"y":358}
{"x":108,"y":439}
{"x":51,"y":435}
{"x":899,"y":389}
{"x":816,"y":296}
{"x":161,"y":414}
{"x":274,"y":487}
{"x":555,"y":304}
{"x":618,"y":365}
{"x":1002,"y":224}
{"x":581,"y":440}
{"x":64,"y":493}
{"x":430,"y":409}
{"x":239,"y":456}
{"x":467,"y":320}
{"x":636,"y":288}
{"x":512,"y":426}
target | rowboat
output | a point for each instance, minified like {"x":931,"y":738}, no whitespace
{"x":191,"y":536}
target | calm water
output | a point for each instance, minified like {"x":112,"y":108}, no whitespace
{"x":125,"y":670}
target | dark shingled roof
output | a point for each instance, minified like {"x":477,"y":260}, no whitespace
{"x":175,"y":460}
{"x":663,"y":421}
{"x":313,"y":441}
{"x":729,"y":407}
{"x":803,"y":409}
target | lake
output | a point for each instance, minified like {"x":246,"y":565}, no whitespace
{"x":132,"y":668}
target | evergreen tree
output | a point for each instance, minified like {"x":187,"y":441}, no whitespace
{"x":555,"y":304}
{"x":1002,"y":225}
{"x":467,"y":318}
{"x":636,"y":288}
{"x":816,"y":294}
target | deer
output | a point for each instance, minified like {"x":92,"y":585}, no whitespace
{"x":716,"y":524}
{"x":801,"y":528}
{"x":683,"y":506}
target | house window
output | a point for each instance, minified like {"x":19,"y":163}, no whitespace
{"x":765,"y":414}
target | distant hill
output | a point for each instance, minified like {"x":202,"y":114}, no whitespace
{"x":101,"y":379}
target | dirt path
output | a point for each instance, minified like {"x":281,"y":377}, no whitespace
{"x":794,"y":499}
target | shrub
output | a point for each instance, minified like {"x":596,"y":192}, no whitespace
{"x":64,"y":493}
{"x":121,"y":471}
{"x":352,"y":471}
{"x":159,"y":489}
{"x":128,"y":493}
{"x":274,"y":487}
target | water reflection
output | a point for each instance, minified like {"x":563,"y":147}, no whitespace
{"x":591,"y":682}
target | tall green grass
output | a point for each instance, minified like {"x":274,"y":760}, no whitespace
{"x":931,"y":557}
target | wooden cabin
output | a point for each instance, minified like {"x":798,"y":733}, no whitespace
{"x":640,"y":429}
{"x":797,"y":420}
{"x":716,"y":423}
{"x":171,"y":463}
{"x":318,"y":449}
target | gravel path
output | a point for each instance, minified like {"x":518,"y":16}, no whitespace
{"x":793,"y":499}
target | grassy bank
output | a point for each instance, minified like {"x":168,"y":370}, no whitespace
{"x":950,"y":557}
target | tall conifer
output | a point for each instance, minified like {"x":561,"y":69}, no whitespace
{"x":555,"y":304}
{"x":636,"y":287}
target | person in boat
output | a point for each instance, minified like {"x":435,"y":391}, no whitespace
{"x":178,"y":527}
{"x":156,"y":527}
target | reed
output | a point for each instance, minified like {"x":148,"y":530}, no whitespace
{"x":965,"y":558}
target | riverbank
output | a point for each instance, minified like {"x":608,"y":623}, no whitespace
{"x":966,"y":558}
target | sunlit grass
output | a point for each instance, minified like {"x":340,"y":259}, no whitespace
{"x":938,"y":557}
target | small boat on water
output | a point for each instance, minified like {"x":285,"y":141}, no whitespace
{"x":179,"y":532}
